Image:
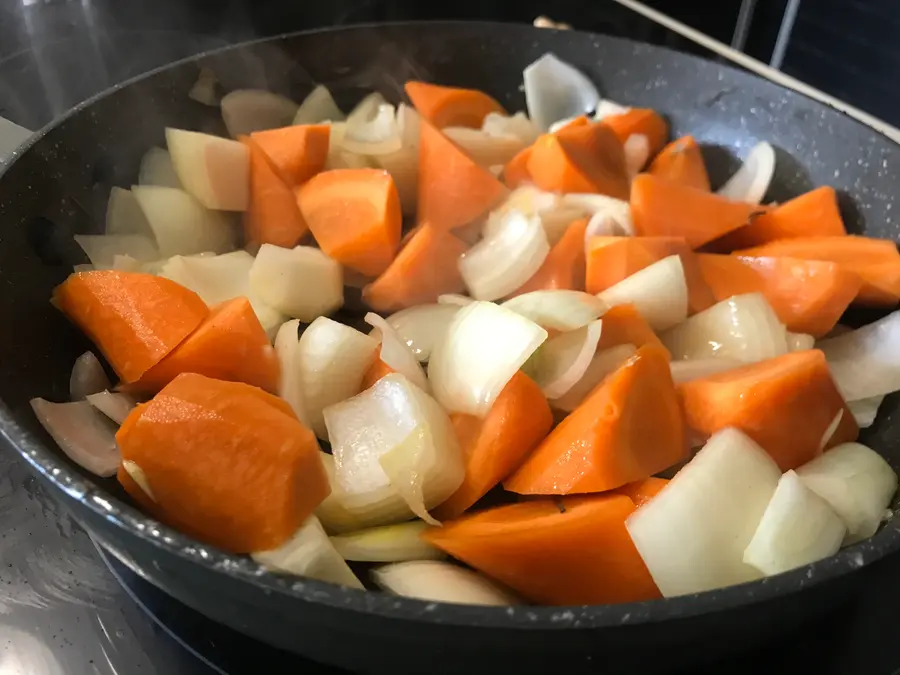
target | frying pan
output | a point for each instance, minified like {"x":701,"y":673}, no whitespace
{"x":58,"y":186}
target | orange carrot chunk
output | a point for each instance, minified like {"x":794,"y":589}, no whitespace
{"x":451,"y":106}
{"x":681,"y":162}
{"x":135,"y":319}
{"x":515,"y":173}
{"x":297,"y":152}
{"x":785,"y":404}
{"x":661,"y":208}
{"x":640,"y":121}
{"x":224,"y":463}
{"x":627,"y":429}
{"x":563,"y":268}
{"x":624,"y":325}
{"x":876,"y":261}
{"x":230,"y":345}
{"x":571,"y":551}
{"x":272,"y":216}
{"x":453,"y":189}
{"x":354,"y":214}
{"x":643,"y":491}
{"x":424,"y":269}
{"x":809,"y":296}
{"x":376,"y":371}
{"x":495,"y":446}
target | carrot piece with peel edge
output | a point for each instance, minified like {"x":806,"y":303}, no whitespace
{"x":570,"y":551}
{"x":451,"y":106}
{"x":624,"y":325}
{"x":495,"y":446}
{"x":640,"y":121}
{"x":135,"y":319}
{"x":809,"y":296}
{"x":563,"y":268}
{"x":230,"y":345}
{"x":297,"y":152}
{"x":785,"y":404}
{"x":627,"y":429}
{"x":643,"y":491}
{"x":354,"y":214}
{"x":224,"y":463}
{"x":424,"y":269}
{"x":681,"y":162}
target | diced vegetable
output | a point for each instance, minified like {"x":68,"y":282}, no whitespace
{"x":318,"y":107}
{"x":102,"y":248}
{"x":422,"y":326}
{"x":681,"y":162}
{"x":214,"y":170}
{"x":451,"y":106}
{"x":395,"y":353}
{"x":556,"y":90}
{"x":641,"y":121}
{"x":290,"y":384}
{"x":372,"y":128}
{"x":561,"y":310}
{"x":82,"y":433}
{"x":865,"y":410}
{"x":114,"y":405}
{"x":157,"y":169}
{"x":389,"y":543}
{"x":247,"y":110}
{"x":204,"y":89}
{"x":181,"y":225}
{"x":88,"y":377}
{"x":485,"y":149}
{"x":659,"y":292}
{"x":124,"y":215}
{"x":603,"y":363}
{"x":798,"y":342}
{"x":623,"y":325}
{"x":562,"y":361}
{"x":694,"y":369}
{"x":441,"y":582}
{"x":563,"y":268}
{"x":751,"y":182}
{"x":496,"y":124}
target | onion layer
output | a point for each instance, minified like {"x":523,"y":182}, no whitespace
{"x":486,"y":150}
{"x":602,"y":364}
{"x":421,"y":327}
{"x":115,"y":406}
{"x":395,"y":353}
{"x":318,"y":107}
{"x":441,"y":582}
{"x":301,"y":282}
{"x":389,"y":543}
{"x":247,"y":110}
{"x":101,"y":249}
{"x":558,"y":309}
{"x":659,"y":292}
{"x":556,"y":90}
{"x":157,"y":169}
{"x":562,"y":361}
{"x":695,"y":369}
{"x":124,"y":215}
{"x":519,"y":125}
{"x":83,"y":434}
{"x":88,"y":377}
{"x":751,"y":182}
{"x":865,"y":410}
{"x":290,"y":386}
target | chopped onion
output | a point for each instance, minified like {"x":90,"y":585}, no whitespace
{"x":403,"y":166}
{"x":204,"y":89}
{"x":302,"y":282}
{"x":696,"y":369}
{"x":101,"y":248}
{"x":659,"y":292}
{"x":138,"y":476}
{"x":181,"y":224}
{"x":637,"y":153}
{"x":84,"y":267}
{"x":318,"y":107}
{"x":395,"y":353}
{"x":485,"y":149}
{"x":866,"y":362}
{"x":441,"y":582}
{"x":528,"y":200}
{"x":556,"y":222}
{"x":609,"y":216}
{"x":114,"y":405}
{"x":483,"y":348}
{"x":751,"y":182}
{"x":309,"y":553}
{"x":744,"y":328}
{"x":83,"y":434}
{"x":338,"y":157}
{"x":602,"y":364}
{"x":420,"y":327}
{"x":290,"y":386}
{"x":517,"y":125}
{"x":372,"y":128}
{"x":831,"y":429}
{"x":454,"y":299}
{"x":88,"y":377}
{"x":558,"y":309}
{"x":800,"y":342}
{"x":124,"y":215}
{"x":865,"y":410}
{"x":607,"y":108}
{"x":216,"y":171}
{"x":693,"y":534}
{"x":125,"y":263}
{"x":394,"y":440}
{"x":856,"y":482}
{"x":157,"y":169}
{"x":388,"y":543}
{"x":556,"y":90}
{"x":562,"y":361}
{"x":503,"y":261}
{"x":247,"y":110}
{"x":797,"y":528}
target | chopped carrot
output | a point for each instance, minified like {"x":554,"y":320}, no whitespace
{"x":580,"y":158}
{"x":640,"y":121}
{"x":572,"y":551}
{"x":354,"y":214}
{"x":785,"y":404}
{"x":453,"y":189}
{"x":135,"y":319}
{"x":272,"y":216}
{"x":424,"y":269}
{"x":376,"y":371}
{"x":563,"y":268}
{"x":681,"y":162}
{"x":643,"y":491}
{"x":224,"y":463}
{"x":876,"y":261}
{"x":624,"y":325}
{"x":613,"y":259}
{"x":627,"y":429}
{"x":815,"y":213}
{"x":495,"y":446}
{"x":451,"y":106}
{"x":515,"y":173}
{"x":297,"y":152}
{"x":809,"y":296}
{"x":230,"y":345}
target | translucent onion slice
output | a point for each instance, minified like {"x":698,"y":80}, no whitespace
{"x":441,"y":582}
{"x":332,"y":360}
{"x":395,"y":352}
{"x":372,"y":128}
{"x":751,"y":182}
{"x":88,"y":377}
{"x":800,"y":342}
{"x":695,"y":369}
{"x":558,"y":310}
{"x":247,"y":110}
{"x":607,"y":108}
{"x":454,"y":299}
{"x":562,"y":361}
{"x":866,"y":362}
{"x":602,"y":208}
{"x":83,"y":434}
{"x":556,"y":90}
{"x":290,"y":386}
{"x":389,"y":543}
{"x":157,"y":169}
{"x":124,"y":215}
{"x":797,"y":528}
{"x":856,"y":482}
{"x":865,"y":410}
{"x":556,"y":222}
{"x":216,"y":171}
{"x":318,"y":107}
{"x":485,"y":149}
{"x":422,"y":326}
{"x":517,"y":125}
{"x":483,"y":348}
{"x":138,"y":476}
{"x":403,"y":165}
{"x":115,"y":406}
{"x":338,"y":156}
{"x":637,"y":153}
{"x":204,"y":89}
{"x":102,"y":248}
{"x":301,"y":282}
{"x":309,"y":553}
{"x":693,"y":534}
{"x":504,"y":260}
{"x":659,"y":292}
{"x":830,"y":430}
{"x":744,"y":328}
{"x":602,"y":364}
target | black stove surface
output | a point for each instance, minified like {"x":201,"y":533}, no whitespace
{"x":65,"y":607}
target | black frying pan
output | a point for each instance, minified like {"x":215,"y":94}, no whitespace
{"x":59,"y":184}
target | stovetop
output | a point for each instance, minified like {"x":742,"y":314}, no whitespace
{"x":65,"y":608}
